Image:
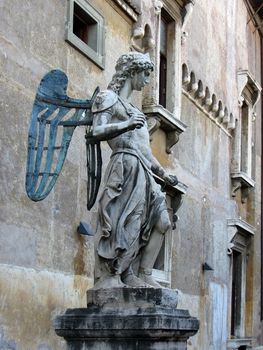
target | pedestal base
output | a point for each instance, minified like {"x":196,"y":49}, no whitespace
{"x":127,"y":318}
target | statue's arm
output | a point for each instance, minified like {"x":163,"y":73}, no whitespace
{"x":105,"y":129}
{"x":158,"y":169}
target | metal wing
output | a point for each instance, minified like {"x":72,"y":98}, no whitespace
{"x":53,"y":121}
{"x":94,"y":164}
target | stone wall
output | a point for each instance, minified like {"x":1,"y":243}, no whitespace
{"x":45,"y":266}
{"x":219,"y":43}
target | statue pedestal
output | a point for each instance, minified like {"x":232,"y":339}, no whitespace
{"x":127,"y":318}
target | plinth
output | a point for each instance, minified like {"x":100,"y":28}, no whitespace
{"x":127,"y":318}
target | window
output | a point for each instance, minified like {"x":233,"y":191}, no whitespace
{"x":162,"y":266}
{"x":85,"y":27}
{"x":159,"y":263}
{"x":236,"y":301}
{"x":240,"y":234}
{"x":162,"y":97}
{"x":245,"y":140}
{"x":163,"y":63}
{"x":249,"y":93}
{"x":85,"y":30}
{"x":166,"y":59}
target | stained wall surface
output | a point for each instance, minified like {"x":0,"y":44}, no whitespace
{"x":45,"y":266}
{"x":219,"y":44}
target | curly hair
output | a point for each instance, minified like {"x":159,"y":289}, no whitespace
{"x":126,"y":64}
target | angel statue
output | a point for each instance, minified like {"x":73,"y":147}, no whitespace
{"x":132,"y":212}
{"x":133,"y":216}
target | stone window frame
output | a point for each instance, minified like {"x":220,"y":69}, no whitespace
{"x":249,"y":94}
{"x":174,"y":200}
{"x":172,"y":17}
{"x":167,"y":28}
{"x":168,"y":118}
{"x":96,"y":56}
{"x":240,"y":234}
{"x":164,"y":276}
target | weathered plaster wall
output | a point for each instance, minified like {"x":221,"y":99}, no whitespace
{"x":45,"y":267}
{"x":203,"y":158}
{"x":219,"y":44}
{"x":254,"y":301}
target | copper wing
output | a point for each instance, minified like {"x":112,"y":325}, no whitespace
{"x":53,"y":120}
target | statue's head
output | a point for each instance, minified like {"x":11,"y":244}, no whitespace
{"x":134,"y":61}
{"x":129,"y":65}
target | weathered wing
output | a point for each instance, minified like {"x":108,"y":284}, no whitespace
{"x":94,"y":164}
{"x":53,"y":121}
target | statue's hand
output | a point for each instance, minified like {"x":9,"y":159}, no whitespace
{"x":136,"y":121}
{"x":170,"y":179}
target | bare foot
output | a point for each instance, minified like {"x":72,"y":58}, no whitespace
{"x":109,"y":282}
{"x":148,"y":279}
{"x":133,"y":281}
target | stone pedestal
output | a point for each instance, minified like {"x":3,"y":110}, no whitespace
{"x":129,"y":319}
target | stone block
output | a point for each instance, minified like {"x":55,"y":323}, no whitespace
{"x":127,"y":318}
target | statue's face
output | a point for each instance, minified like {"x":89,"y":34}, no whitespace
{"x":140,"y":79}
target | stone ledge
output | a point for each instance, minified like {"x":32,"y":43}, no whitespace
{"x":127,"y":8}
{"x":243,"y":178}
{"x":168,"y":121}
{"x":235,"y":343}
{"x":158,"y":116}
{"x":241,"y":181}
{"x":242,"y":225}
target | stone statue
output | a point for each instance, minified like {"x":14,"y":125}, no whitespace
{"x":132,"y":215}
{"x":132,"y":212}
